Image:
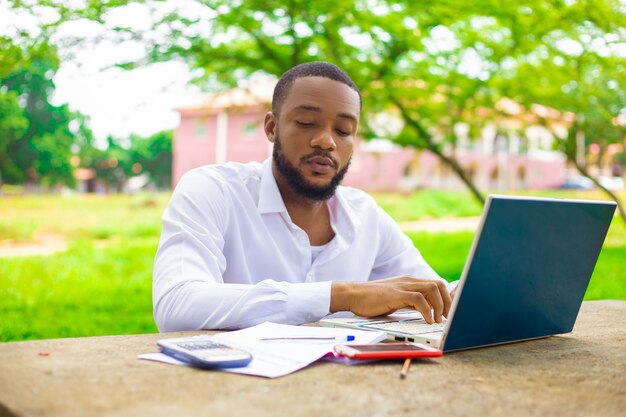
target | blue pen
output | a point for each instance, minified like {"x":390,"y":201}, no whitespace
{"x":349,"y":338}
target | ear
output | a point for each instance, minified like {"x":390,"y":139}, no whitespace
{"x":271,"y":121}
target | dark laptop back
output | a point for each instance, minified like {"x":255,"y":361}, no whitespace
{"x":528,"y":270}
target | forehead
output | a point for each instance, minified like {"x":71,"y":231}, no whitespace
{"x":327,"y":94}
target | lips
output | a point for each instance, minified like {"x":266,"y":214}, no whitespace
{"x":321,"y":165}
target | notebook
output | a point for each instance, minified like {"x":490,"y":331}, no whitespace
{"x":525,"y":276}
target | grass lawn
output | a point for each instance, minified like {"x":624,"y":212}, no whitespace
{"x":88,"y":290}
{"x":101,"y":284}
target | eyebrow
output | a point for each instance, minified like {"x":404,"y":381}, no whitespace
{"x":319,"y":110}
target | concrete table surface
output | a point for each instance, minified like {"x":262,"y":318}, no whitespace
{"x":578,"y":374}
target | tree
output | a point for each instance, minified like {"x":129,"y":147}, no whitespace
{"x":578,"y":68}
{"x":380,"y":47}
{"x":13,"y":122}
{"x":123,"y":158}
{"x":35,"y":135}
{"x":434,"y":65}
{"x":153,"y":155}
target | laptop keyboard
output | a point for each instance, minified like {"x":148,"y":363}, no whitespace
{"x":408,"y":326}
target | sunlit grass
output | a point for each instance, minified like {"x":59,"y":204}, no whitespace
{"x":84,"y":291}
{"x":429,"y":204}
{"x":102,"y":283}
{"x":81,"y":216}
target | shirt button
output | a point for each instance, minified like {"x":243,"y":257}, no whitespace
{"x":309,"y":277}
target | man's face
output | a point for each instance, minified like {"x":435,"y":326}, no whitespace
{"x":295,"y":178}
{"x":317,"y":123}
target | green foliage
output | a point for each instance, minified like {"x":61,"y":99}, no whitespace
{"x":38,"y":139}
{"x":431,"y":66}
{"x":122,"y":159}
{"x":35,"y":135}
{"x":12,"y":124}
{"x":577,"y":68}
{"x":154,"y":156}
{"x":113,"y":164}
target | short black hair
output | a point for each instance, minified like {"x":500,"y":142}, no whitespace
{"x":310,"y":69}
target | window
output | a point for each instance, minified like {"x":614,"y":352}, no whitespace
{"x":201,"y":130}
{"x":250,"y":130}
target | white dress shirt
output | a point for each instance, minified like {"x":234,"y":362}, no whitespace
{"x":230,"y":256}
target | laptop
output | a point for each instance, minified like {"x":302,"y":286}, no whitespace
{"x":525,"y":276}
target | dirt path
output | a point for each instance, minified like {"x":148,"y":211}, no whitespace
{"x":42,"y":244}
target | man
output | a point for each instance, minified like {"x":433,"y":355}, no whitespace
{"x":281,"y":241}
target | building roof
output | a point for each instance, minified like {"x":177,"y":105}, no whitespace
{"x":258,"y":95}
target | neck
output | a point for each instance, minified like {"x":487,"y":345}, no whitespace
{"x":295,"y":202}
{"x":312,"y":216}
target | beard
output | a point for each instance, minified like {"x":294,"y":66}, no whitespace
{"x":296,"y":180}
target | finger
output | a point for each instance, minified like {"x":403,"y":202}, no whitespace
{"x":418,"y":302}
{"x":432,"y":292}
{"x":446,"y":297}
{"x":437,"y":295}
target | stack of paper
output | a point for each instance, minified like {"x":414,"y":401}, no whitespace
{"x":280,"y":349}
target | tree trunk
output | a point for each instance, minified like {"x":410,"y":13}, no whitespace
{"x":583,"y":170}
{"x":458,"y":170}
{"x":450,"y":161}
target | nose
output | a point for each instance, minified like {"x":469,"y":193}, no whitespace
{"x":323,"y":139}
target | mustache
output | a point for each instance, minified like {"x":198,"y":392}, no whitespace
{"x":321,"y":153}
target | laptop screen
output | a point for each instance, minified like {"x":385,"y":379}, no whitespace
{"x":528,"y":270}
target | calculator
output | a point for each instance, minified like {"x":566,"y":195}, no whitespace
{"x":203,"y":352}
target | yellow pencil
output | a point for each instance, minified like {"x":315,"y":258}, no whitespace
{"x":405,"y":368}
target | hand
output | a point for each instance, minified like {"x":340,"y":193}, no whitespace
{"x":374,"y":298}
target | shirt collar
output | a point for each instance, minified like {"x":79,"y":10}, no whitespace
{"x":270,"y":200}
{"x":343,"y":216}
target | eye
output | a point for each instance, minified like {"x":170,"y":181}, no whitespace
{"x":342,"y":132}
{"x":304,"y":124}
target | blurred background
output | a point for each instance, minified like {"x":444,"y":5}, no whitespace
{"x":104,"y":105}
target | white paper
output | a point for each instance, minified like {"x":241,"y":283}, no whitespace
{"x":272,"y":359}
{"x":162,"y":357}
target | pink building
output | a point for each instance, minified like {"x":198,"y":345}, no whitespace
{"x":229,"y":127}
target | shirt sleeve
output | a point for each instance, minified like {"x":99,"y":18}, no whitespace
{"x":189,"y":292}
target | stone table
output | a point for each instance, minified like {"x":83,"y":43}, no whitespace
{"x":578,"y":374}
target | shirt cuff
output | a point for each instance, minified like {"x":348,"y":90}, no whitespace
{"x":308,"y":302}
{"x":452,"y":285}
